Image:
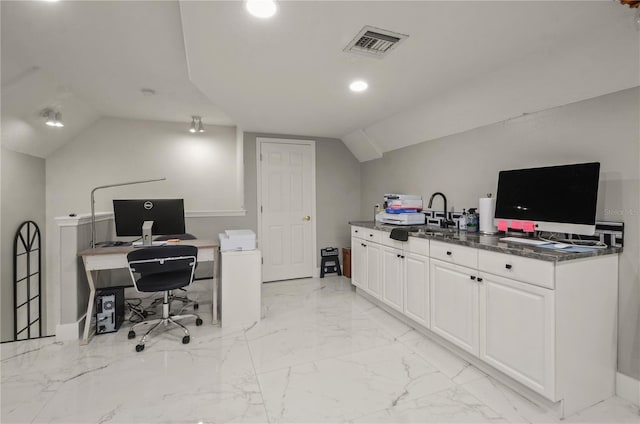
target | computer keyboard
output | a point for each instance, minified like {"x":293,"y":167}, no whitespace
{"x":533,"y":242}
{"x":153,"y":244}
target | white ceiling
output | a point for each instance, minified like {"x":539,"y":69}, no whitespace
{"x":289,"y":75}
{"x":96,"y":57}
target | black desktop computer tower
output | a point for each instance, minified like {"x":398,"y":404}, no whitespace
{"x":109,"y":309}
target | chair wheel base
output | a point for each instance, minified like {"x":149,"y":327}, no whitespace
{"x":185,"y":340}
{"x":198,"y":321}
{"x":131,"y":335}
{"x":139,"y":348}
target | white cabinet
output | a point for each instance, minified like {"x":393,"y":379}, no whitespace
{"x":240,"y":292}
{"x":517,"y":331}
{"x":416,"y":288}
{"x":392,"y":277}
{"x":359,"y":263}
{"x":454,"y":304}
{"x":365,"y":259}
{"x":374,"y":281}
{"x":549,"y":325}
{"x":393,"y":271}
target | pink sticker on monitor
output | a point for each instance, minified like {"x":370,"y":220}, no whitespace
{"x":528,"y":226}
{"x":503,"y":226}
{"x":516,"y":225}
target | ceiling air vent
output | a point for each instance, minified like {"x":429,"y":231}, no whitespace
{"x":374,"y":42}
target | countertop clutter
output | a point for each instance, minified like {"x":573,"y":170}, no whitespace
{"x":488,"y":242}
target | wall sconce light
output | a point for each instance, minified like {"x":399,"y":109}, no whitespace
{"x":196,"y":125}
{"x":52,"y":118}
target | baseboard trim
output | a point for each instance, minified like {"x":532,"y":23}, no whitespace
{"x":70,"y":331}
{"x":628,"y":388}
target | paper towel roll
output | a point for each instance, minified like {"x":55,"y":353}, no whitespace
{"x":487,"y":210}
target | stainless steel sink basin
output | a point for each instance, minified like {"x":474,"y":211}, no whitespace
{"x":433,"y":231}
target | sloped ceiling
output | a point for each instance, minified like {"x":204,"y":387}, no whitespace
{"x":464,"y":65}
{"x":91,"y":59}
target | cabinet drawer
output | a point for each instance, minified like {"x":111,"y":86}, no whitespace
{"x":358,"y":232}
{"x":418,"y":246}
{"x":373,"y":235}
{"x":453,"y":253}
{"x":534,"y":271}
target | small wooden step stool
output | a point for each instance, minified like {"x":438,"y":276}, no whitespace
{"x":330,"y":261}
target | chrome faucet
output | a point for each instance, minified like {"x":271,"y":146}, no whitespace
{"x":445,"y":222}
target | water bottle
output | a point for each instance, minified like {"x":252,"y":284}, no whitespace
{"x":472,"y":221}
{"x":462,"y":222}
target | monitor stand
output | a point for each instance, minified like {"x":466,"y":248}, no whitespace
{"x":147,"y":235}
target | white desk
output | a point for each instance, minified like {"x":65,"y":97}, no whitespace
{"x":103,"y":258}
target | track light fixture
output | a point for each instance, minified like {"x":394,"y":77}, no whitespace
{"x":52,"y":118}
{"x":196,"y":124}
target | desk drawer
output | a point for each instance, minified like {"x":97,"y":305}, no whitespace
{"x":105,"y":261}
{"x":454,"y":253}
{"x":534,"y":271}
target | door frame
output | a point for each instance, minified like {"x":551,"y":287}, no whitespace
{"x":314,"y":217}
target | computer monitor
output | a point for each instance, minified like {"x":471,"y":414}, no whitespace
{"x":167,"y":216}
{"x":559,"y":199}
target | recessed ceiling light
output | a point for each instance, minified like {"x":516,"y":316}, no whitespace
{"x":261,"y":8}
{"x":52,"y":118}
{"x":358,"y":86}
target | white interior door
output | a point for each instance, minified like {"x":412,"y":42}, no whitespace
{"x":287,"y":204}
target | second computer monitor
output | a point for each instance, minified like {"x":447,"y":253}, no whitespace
{"x":167,"y":216}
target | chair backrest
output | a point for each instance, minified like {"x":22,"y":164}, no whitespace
{"x":162,"y":268}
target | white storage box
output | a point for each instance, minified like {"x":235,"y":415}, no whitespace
{"x":232,"y":240}
{"x":240,"y":298}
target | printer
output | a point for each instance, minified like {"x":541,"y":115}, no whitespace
{"x":235,"y":240}
{"x":402,"y":209}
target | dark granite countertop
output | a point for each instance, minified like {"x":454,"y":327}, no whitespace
{"x":489,"y":242}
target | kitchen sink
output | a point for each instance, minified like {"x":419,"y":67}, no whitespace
{"x":433,"y":231}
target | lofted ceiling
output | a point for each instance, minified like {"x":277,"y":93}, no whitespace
{"x":464,"y":64}
{"x":91,"y":59}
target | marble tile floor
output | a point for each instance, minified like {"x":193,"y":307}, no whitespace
{"x":321,"y":354}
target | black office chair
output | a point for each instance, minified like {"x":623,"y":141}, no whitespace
{"x":172,"y":296}
{"x":162,"y":269}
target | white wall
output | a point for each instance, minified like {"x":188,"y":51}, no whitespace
{"x":23,"y":199}
{"x":465,"y":166}
{"x":117,"y":150}
{"x":607,"y":60}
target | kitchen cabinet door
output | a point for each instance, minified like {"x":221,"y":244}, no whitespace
{"x":392,"y":277}
{"x":374,"y":280}
{"x":358,"y":263}
{"x":454,"y":304}
{"x":517,"y":331}
{"x":416,"y":288}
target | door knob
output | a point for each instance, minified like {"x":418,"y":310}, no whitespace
{"x":306,"y":218}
